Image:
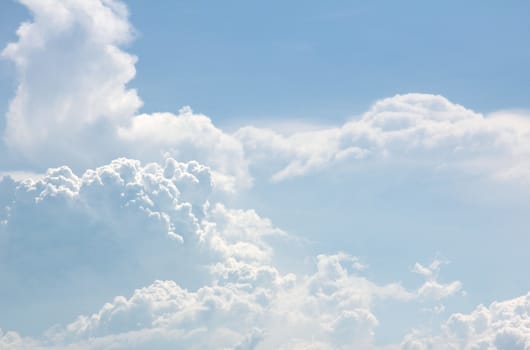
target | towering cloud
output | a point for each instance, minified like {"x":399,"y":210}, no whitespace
{"x":73,"y":105}
{"x":71,"y":80}
{"x":119,"y":226}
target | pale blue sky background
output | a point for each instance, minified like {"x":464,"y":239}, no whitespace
{"x":249,"y":62}
{"x":239,"y":59}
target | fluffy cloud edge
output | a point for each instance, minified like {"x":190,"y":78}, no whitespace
{"x":46,"y":124}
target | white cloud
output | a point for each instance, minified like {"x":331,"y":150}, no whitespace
{"x":72,"y":90}
{"x":72,"y":103}
{"x":423,"y":128}
{"x":502,"y":325}
{"x":68,"y":241}
{"x":329,"y":308}
{"x":63,"y":233}
{"x":188,"y":136}
{"x":126,"y":224}
{"x":71,"y":80}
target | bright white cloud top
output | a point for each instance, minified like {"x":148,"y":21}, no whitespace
{"x":129,"y":241}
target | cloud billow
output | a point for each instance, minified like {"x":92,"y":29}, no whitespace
{"x":130,"y":246}
{"x":125,"y":225}
{"x":71,"y":80}
{"x":501,"y":325}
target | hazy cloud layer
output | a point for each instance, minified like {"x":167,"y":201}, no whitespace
{"x":71,"y":80}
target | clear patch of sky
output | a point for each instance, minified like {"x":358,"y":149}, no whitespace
{"x":245,"y":60}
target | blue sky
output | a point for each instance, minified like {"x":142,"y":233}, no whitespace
{"x":355,"y":171}
{"x":329,"y":61}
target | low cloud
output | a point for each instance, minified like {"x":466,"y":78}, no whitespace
{"x":126,"y":224}
{"x":501,"y":325}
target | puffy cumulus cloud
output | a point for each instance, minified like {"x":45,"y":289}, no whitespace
{"x":211,"y":317}
{"x":71,"y":80}
{"x":164,"y":316}
{"x":122,"y":225}
{"x":329,"y":308}
{"x":126,"y":201}
{"x":240,"y":233}
{"x":188,"y":136}
{"x":119,"y":225}
{"x":420,"y":127}
{"x":72,"y":103}
{"x":502,"y":325}
{"x":72,"y":90}
{"x":125,"y":223}
{"x":122,"y":197}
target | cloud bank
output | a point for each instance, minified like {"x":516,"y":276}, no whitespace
{"x":135,"y":252}
{"x":501,"y":325}
{"x":125,"y":224}
{"x":420,"y":128}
